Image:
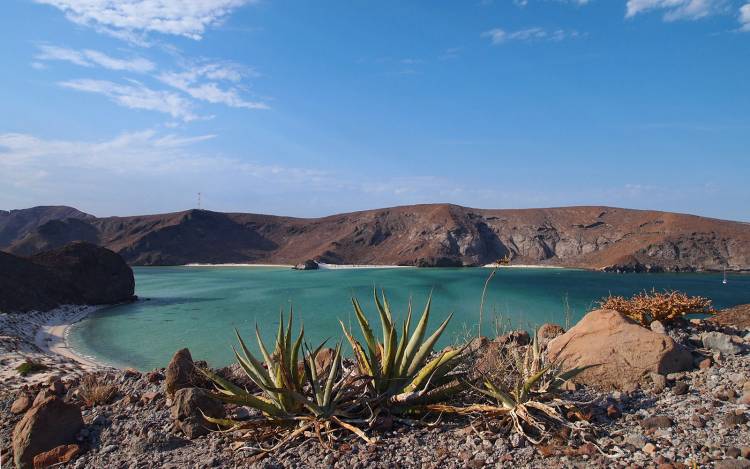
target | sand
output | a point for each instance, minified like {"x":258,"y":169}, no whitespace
{"x":41,"y":337}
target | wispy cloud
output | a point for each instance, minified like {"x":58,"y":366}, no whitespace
{"x":192,"y":81}
{"x":745,"y":17}
{"x":501,"y":36}
{"x":674,"y":10}
{"x":136,"y":96}
{"x":523,"y":3}
{"x":136,"y":166}
{"x":93,"y":58}
{"x":126,"y":19}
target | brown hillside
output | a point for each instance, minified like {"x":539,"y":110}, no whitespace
{"x":425,"y":235}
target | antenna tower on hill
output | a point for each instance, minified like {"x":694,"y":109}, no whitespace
{"x":199,"y":200}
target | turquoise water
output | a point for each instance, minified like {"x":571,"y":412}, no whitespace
{"x":198,"y":307}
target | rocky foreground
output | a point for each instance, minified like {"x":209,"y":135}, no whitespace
{"x":683,"y":401}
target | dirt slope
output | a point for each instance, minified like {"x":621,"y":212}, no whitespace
{"x":425,"y":235}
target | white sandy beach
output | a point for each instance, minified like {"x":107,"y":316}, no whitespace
{"x":41,"y":337}
{"x":522,"y":266}
{"x":321,"y":265}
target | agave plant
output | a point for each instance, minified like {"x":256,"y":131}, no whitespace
{"x":299,"y":398}
{"x":531,"y":400}
{"x":400,"y":369}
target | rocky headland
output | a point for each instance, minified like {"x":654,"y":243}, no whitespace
{"x":79,"y":273}
{"x":605,"y":238}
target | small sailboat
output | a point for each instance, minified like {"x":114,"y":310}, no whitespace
{"x":725,"y":276}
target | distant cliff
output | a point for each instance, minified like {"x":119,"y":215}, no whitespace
{"x":80,"y":273}
{"x":421,"y":235}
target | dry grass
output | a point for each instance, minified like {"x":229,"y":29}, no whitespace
{"x":94,"y":392}
{"x":665,"y":307}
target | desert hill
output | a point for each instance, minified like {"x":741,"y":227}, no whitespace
{"x":422,"y":235}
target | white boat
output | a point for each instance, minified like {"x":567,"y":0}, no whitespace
{"x":725,"y":276}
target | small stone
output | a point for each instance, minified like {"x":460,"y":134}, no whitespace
{"x":730,"y":420}
{"x":649,"y":448}
{"x":154,"y":377}
{"x":613,"y":412}
{"x":697,"y":421}
{"x":680,"y":388}
{"x":745,"y":452}
{"x":658,"y":327}
{"x":108,"y":449}
{"x":745,"y":399}
{"x":150,"y":396}
{"x":21,"y":404}
{"x":719,"y":342}
{"x":657,"y":421}
{"x":732,"y":452}
{"x":59,"y":455}
{"x":732,"y":464}
{"x":704,"y":364}
{"x":659,"y":381}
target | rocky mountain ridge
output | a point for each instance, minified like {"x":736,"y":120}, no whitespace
{"x":422,"y":235}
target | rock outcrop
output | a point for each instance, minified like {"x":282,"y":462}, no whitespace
{"x":47,"y":425}
{"x":422,"y":235}
{"x":307,"y":265}
{"x":180,"y":372}
{"x":80,"y":273}
{"x":620,"y":352}
{"x":189,"y":407}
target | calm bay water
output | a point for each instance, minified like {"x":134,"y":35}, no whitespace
{"x":198,"y":307}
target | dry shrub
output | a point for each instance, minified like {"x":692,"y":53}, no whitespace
{"x":95,"y":393}
{"x":665,"y":307}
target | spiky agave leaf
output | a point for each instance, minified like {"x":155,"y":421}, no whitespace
{"x":399,"y":366}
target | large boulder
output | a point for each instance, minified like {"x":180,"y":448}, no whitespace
{"x":623,"y":351}
{"x":47,"y":425}
{"x":181,"y":373}
{"x":188,"y":408}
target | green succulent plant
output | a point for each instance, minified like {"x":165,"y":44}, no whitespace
{"x":302,"y":396}
{"x":400,"y":369}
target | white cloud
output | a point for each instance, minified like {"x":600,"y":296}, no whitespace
{"x":500,"y":36}
{"x":91,"y":58}
{"x":745,"y":17}
{"x":191,"y":82}
{"x":144,"y":171}
{"x":674,"y":9}
{"x":136,"y":96}
{"x":124,"y":18}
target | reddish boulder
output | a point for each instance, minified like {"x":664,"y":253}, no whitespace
{"x":21,"y":404}
{"x":623,"y":351}
{"x":47,"y":425}
{"x":58,"y":455}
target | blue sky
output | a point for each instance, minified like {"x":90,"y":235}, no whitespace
{"x":312,"y":108}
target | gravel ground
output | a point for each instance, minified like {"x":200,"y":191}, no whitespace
{"x":697,"y":418}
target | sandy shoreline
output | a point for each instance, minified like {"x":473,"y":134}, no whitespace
{"x":321,"y":265}
{"x":523,"y":266}
{"x":41,"y":337}
{"x":52,"y":337}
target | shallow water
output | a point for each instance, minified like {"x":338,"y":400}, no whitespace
{"x":198,"y":307}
